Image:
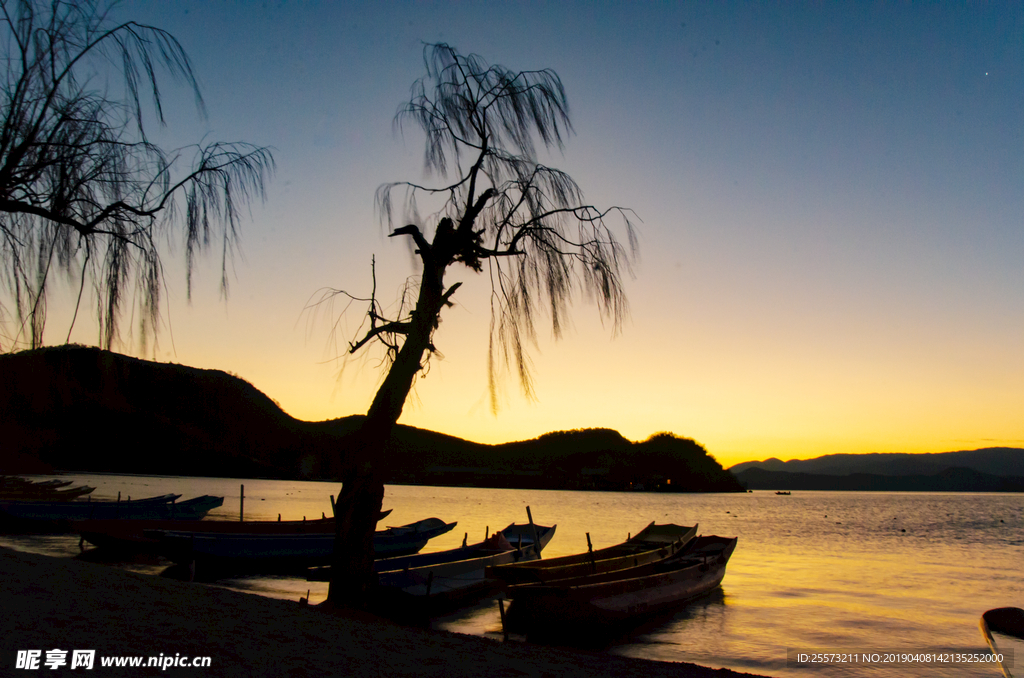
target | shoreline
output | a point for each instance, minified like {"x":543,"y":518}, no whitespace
{"x":59,"y":603}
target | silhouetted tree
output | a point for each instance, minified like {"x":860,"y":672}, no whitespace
{"x":502,"y":211}
{"x":83,"y":191}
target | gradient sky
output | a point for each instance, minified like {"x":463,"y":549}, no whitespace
{"x":831,"y":197}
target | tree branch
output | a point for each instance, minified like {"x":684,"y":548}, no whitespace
{"x":389,"y":328}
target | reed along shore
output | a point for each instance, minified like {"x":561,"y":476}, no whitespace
{"x":65,"y":604}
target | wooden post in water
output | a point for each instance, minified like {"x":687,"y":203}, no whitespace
{"x":501,"y":611}
{"x":241,"y":505}
{"x":590,"y":552}
{"x":536,"y":540}
{"x":334,"y":509}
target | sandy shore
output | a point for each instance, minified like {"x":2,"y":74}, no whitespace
{"x":53,"y":603}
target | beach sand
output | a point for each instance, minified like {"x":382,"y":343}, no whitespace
{"x":55,"y":603}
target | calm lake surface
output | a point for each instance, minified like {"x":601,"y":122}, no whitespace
{"x":826,"y":571}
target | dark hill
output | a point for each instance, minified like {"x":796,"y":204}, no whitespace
{"x":948,"y":480}
{"x":83,"y":409}
{"x":996,"y":461}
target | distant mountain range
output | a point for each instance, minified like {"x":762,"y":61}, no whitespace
{"x":994,"y":469}
{"x":82,"y":409}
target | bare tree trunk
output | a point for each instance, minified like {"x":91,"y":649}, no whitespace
{"x":362,"y":492}
{"x":356,"y":513}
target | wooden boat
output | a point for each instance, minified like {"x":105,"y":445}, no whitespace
{"x":434,"y":582}
{"x":785,"y":494}
{"x":13,"y":488}
{"x":1008,"y":622}
{"x":17,"y":482}
{"x":417,"y":586}
{"x":60,"y":514}
{"x":225,"y":553}
{"x":518,"y":537}
{"x":653,"y":543}
{"x":598,"y":603}
{"x":6,"y":481}
{"x":130,"y":536}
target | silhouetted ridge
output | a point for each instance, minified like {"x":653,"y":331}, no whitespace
{"x":77,"y":407}
{"x":993,"y":469}
{"x":83,"y":409}
{"x":948,"y":480}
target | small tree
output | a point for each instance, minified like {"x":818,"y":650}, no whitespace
{"x":83,"y":191}
{"x":500,"y":210}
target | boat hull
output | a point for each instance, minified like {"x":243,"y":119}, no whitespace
{"x":220,"y":554}
{"x":129,"y":536}
{"x":653,"y":543}
{"x":61,"y":515}
{"x":606,"y":602}
{"x":455,"y":578}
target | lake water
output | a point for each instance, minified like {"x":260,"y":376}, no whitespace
{"x":826,"y":571}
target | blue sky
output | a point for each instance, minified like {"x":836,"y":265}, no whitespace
{"x":830,"y":194}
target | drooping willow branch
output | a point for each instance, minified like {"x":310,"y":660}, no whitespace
{"x":82,"y":189}
{"x":529,"y":223}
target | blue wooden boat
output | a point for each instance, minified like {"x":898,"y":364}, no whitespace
{"x":214,"y":554}
{"x":129,"y":536}
{"x":60,"y":514}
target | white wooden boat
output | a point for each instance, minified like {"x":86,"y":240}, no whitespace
{"x":434,"y":582}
